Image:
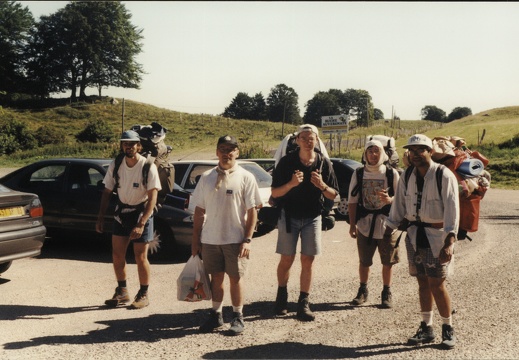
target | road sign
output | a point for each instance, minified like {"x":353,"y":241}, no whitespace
{"x":333,"y":124}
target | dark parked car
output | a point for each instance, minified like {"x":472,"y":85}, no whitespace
{"x":70,"y":191}
{"x":21,"y":226}
{"x":344,"y":169}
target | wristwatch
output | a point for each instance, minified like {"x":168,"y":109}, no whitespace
{"x":247,"y":240}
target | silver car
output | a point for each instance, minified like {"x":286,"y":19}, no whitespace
{"x":21,"y":226}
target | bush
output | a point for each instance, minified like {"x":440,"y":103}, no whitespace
{"x":45,"y":135}
{"x":15,"y":136}
{"x":96,"y":132}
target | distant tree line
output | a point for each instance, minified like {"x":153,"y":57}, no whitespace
{"x":85,"y":44}
{"x":281,"y":105}
{"x":431,"y":112}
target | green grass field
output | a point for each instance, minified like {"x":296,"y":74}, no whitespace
{"x":494,"y":133}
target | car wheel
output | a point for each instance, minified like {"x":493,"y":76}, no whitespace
{"x":4,"y":266}
{"x":163,"y":245}
{"x":342,"y":210}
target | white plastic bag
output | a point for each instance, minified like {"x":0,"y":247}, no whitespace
{"x":193,"y":283}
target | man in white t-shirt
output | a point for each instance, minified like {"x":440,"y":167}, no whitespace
{"x":225,"y":216}
{"x":133,"y":218}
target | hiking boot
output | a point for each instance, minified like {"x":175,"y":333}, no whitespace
{"x":303,"y":310}
{"x":281,"y":307}
{"x":141,"y":300}
{"x":120,"y":297}
{"x":387,"y":301}
{"x":362,"y":296}
{"x":237,"y":325}
{"x":425,"y":334}
{"x":215,"y":321}
{"x":448,"y":337}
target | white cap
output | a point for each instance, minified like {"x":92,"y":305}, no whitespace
{"x":419,"y":139}
{"x":307,"y":127}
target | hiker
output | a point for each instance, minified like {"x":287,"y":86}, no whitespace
{"x":372,"y":188}
{"x":299,"y":186}
{"x":225,"y":198}
{"x":433,"y":217}
{"x":133,"y":217}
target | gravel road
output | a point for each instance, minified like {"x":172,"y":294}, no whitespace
{"x":51,"y":306}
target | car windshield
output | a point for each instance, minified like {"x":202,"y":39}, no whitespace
{"x":262,"y":177}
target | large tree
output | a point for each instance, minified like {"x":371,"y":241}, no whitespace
{"x":15,"y":24}
{"x":433,"y":113}
{"x":87,"y":44}
{"x":240,"y":107}
{"x":322,"y":104}
{"x":282,"y":105}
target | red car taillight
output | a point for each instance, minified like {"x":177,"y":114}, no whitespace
{"x":35,"y":209}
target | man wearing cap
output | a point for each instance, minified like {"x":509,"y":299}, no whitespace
{"x":225,"y":216}
{"x":299,"y":182}
{"x":369,"y":202}
{"x":433,"y":215}
{"x":133,"y":217}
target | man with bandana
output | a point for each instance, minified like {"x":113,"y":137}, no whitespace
{"x":225,"y":198}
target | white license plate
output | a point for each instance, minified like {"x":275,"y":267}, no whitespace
{"x":10,"y":212}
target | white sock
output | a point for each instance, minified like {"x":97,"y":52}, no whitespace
{"x":218,"y":306}
{"x":427,"y":317}
{"x":447,"y":320}
{"x":237,"y":309}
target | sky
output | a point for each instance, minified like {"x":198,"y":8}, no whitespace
{"x":197,"y":56}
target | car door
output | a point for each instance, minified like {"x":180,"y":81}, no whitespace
{"x":193,"y":175}
{"x":83,"y":190}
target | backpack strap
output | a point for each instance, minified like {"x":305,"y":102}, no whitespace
{"x":146,"y":169}
{"x":438,"y":173}
{"x":118,"y":161}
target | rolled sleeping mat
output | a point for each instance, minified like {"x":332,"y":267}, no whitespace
{"x":470,"y":168}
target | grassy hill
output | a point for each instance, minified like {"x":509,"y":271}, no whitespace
{"x":492,"y":132}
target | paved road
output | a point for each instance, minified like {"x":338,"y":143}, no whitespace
{"x":50,"y":307}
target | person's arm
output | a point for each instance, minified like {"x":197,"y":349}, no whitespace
{"x":280,"y":191}
{"x":105,"y":201}
{"x":198,"y":222}
{"x":250,"y":225}
{"x":148,"y":211}
{"x":352,"y":214}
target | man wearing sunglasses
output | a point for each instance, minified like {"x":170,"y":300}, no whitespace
{"x":434,"y":218}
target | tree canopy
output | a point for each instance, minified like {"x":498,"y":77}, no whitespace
{"x":85,"y":44}
{"x":282,"y":105}
{"x":245,"y":107}
{"x":431,"y":112}
{"x":15,"y":24}
{"x":458,"y":113}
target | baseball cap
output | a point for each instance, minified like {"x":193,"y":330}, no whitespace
{"x":130,"y":135}
{"x":307,"y":127}
{"x":419,"y":139}
{"x":227,"y":139}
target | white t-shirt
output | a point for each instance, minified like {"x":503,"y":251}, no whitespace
{"x":226,"y":208}
{"x":131,"y":190}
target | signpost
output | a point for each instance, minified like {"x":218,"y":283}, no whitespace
{"x":333,"y":124}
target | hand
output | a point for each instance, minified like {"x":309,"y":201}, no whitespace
{"x":196,"y":248}
{"x":353,"y":231}
{"x":297,"y":178}
{"x":384,"y":196}
{"x":100,"y":226}
{"x":317,"y":180}
{"x":446,"y":254}
{"x":136,"y":232}
{"x":245,"y":250}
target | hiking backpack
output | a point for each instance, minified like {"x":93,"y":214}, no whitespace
{"x":156,"y":152}
{"x":289,"y":144}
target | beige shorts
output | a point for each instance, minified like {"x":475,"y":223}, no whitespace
{"x":224,"y":258}
{"x":386,"y":249}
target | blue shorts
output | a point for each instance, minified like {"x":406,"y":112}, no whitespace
{"x":122,"y":230}
{"x":310,"y":231}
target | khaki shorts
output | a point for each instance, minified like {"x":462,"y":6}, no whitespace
{"x":386,"y":249}
{"x":224,"y":258}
